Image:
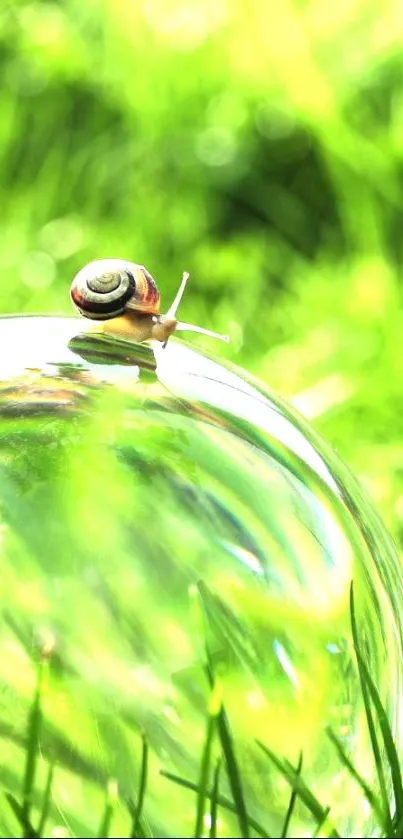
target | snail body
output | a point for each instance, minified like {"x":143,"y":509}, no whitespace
{"x":125,"y":296}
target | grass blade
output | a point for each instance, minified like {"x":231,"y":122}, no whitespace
{"x":234,"y":775}
{"x":28,"y":829}
{"x":224,"y":802}
{"x":110,"y":804}
{"x":387,"y":737}
{"x":387,"y":819}
{"x":368,"y":792}
{"x":214,"y":802}
{"x":34,"y":726}
{"x":291,"y":805}
{"x":321,"y":824}
{"x":223,"y":727}
{"x":215,"y":706}
{"x":46,"y":800}
{"x":142,"y":790}
{"x":301,"y":788}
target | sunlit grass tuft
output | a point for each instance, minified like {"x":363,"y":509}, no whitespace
{"x":218,"y":751}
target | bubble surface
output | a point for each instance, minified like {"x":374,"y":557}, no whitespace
{"x":166,"y":522}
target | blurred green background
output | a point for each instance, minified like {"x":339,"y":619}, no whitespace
{"x":258,"y":145}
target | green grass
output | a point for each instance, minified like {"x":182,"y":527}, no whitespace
{"x":387,"y":809}
{"x":137,"y":809}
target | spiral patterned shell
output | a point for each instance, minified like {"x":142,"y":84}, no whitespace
{"x":108,"y":287}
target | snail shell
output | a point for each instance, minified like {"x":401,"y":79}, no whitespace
{"x":107,"y":288}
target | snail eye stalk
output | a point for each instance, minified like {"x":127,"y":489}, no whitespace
{"x":189,"y":327}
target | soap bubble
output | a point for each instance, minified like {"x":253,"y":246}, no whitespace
{"x":169,"y":529}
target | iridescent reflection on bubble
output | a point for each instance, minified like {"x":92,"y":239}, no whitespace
{"x":155,"y":505}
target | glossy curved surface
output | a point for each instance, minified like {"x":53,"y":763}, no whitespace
{"x":153,"y":505}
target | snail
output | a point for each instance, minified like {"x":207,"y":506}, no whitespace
{"x":126,"y":297}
